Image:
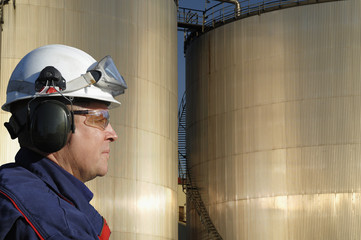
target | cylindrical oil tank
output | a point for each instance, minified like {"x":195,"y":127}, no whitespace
{"x":138,"y":197}
{"x":274,"y":124}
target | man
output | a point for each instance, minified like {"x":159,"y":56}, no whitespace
{"x":59,"y":98}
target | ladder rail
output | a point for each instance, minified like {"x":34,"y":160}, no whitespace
{"x":184,"y":173}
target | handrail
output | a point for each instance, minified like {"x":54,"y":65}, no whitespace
{"x":185,"y":175}
{"x":225,"y":12}
{"x":251,"y":7}
{"x":182,"y":159}
{"x":189,"y":16}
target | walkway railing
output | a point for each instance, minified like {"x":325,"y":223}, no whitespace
{"x":224,"y":12}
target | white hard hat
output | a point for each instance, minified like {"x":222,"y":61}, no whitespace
{"x":75,"y":67}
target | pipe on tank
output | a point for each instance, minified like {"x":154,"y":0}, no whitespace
{"x":237,"y":6}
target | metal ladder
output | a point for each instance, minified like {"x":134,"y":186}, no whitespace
{"x":185,"y":175}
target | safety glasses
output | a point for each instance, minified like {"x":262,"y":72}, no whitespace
{"x":95,"y":118}
{"x":104,"y":75}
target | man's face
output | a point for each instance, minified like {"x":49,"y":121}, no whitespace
{"x":87,"y":153}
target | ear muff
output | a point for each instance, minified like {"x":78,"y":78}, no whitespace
{"x":50,"y":123}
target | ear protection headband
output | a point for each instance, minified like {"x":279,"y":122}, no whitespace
{"x":50,"y":124}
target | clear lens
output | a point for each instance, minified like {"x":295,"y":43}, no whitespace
{"x":104,"y":75}
{"x":110,"y":80}
{"x":110,"y":68}
{"x":95,"y":118}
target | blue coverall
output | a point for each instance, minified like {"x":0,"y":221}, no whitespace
{"x":40,"y":200}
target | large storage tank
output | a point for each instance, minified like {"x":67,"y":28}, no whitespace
{"x":138,"y":197}
{"x":274,"y":124}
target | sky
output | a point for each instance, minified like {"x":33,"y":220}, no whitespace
{"x":194,"y":4}
{"x":197,"y":5}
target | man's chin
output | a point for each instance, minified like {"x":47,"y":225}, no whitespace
{"x":103,"y":172}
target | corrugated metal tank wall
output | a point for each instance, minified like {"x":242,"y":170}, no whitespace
{"x":138,"y":197}
{"x":274,"y":124}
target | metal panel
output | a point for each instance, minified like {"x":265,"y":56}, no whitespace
{"x":138,"y":197}
{"x":274,"y":133}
